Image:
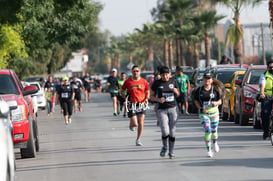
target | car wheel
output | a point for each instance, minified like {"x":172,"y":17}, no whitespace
{"x":243,"y":119}
{"x":36,"y":135}
{"x":236,"y":116}
{"x":30,"y":151}
{"x":256,"y":122}
{"x":231,"y":117}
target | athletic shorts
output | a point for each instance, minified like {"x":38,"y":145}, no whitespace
{"x":88,"y":88}
{"x":121,"y":99}
{"x":114,"y":94}
{"x":133,"y":112}
{"x":183,"y":97}
{"x":78,"y":96}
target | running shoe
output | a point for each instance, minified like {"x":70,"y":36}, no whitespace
{"x":115,"y":114}
{"x":210,"y":154}
{"x":66,"y":122}
{"x":138,"y":143}
{"x":216,"y":147}
{"x":124,"y":115}
{"x":80,"y":109}
{"x":163,"y":151}
{"x":132,"y":128}
{"x":69,"y":120}
{"x":171,"y":155}
{"x":187,"y":113}
{"x":118,"y":112}
{"x":75,"y":110}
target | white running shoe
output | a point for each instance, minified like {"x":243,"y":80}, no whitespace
{"x":66,"y":122}
{"x":70,"y":120}
{"x":138,"y":143}
{"x":216,"y":147}
{"x":210,"y":154}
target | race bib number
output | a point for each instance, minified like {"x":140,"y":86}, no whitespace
{"x":64,"y":95}
{"x":207,"y":104}
{"x":169,"y":97}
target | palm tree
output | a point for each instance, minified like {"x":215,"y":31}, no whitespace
{"x":234,"y":36}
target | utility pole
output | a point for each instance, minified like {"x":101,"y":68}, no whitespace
{"x":262,"y":34}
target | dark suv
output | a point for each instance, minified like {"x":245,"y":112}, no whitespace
{"x":246,"y":92}
{"x":25,"y":129}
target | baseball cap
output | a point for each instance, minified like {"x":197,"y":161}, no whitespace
{"x":164,"y":69}
{"x":207,"y":75}
{"x":65,"y":78}
{"x":114,"y":70}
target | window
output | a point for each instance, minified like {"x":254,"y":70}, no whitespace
{"x":254,"y":76}
{"x":7,"y":85}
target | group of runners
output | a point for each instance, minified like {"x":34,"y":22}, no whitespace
{"x":169,"y":94}
{"x":68,"y":93}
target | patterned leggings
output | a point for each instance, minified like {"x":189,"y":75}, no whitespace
{"x":210,"y":123}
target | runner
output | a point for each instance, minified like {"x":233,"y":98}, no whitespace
{"x":184,"y":87}
{"x":137,"y":99}
{"x":67,"y":95}
{"x":163,"y":92}
{"x":112,"y":83}
{"x":121,"y":100}
{"x":87,"y":88}
{"x":78,"y":87}
{"x":51,"y":85}
{"x":207,"y":99}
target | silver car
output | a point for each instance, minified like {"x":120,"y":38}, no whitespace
{"x":7,"y":159}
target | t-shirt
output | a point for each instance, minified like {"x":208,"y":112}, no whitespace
{"x":165,"y":89}
{"x":66,"y":92}
{"x":48,"y":96}
{"x":119,"y":85}
{"x":50,"y":85}
{"x":205,"y":97}
{"x":76,"y":86}
{"x":182,"y":82}
{"x":136,"y":89}
{"x":113,"y":84}
{"x":86,"y":81}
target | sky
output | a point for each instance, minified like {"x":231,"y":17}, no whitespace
{"x":123,"y":16}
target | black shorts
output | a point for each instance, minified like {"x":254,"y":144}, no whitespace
{"x":78,"y":96}
{"x":133,"y":112}
{"x":121,"y":99}
{"x":183,"y":97}
{"x":114,"y":94}
{"x":87,"y":88}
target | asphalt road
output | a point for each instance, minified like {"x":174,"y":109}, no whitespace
{"x":99,"y":146}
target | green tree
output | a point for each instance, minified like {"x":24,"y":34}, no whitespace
{"x":234,"y":36}
{"x":11,"y":45}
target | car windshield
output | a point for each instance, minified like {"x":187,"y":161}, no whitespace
{"x":254,"y":76}
{"x":7,"y":85}
{"x":225,"y":76}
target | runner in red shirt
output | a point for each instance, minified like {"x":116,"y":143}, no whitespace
{"x":136,"y":101}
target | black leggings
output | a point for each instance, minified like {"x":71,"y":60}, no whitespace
{"x":67,"y":107}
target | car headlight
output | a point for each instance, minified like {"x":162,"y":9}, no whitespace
{"x":19,"y":114}
{"x":249,"y":94}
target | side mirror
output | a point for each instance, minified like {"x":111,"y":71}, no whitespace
{"x":227,"y":85}
{"x":32,"y":89}
{"x":238,"y":82}
{"x":4,"y":109}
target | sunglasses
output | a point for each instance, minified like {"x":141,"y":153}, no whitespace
{"x":135,"y":70}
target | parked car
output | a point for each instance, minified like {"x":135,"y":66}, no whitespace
{"x":245,"y":93}
{"x":25,"y":128}
{"x":228,"y":96}
{"x":39,"y":78}
{"x":40,"y":95}
{"x":7,"y":158}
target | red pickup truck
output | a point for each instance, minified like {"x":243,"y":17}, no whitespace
{"x":25,"y":128}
